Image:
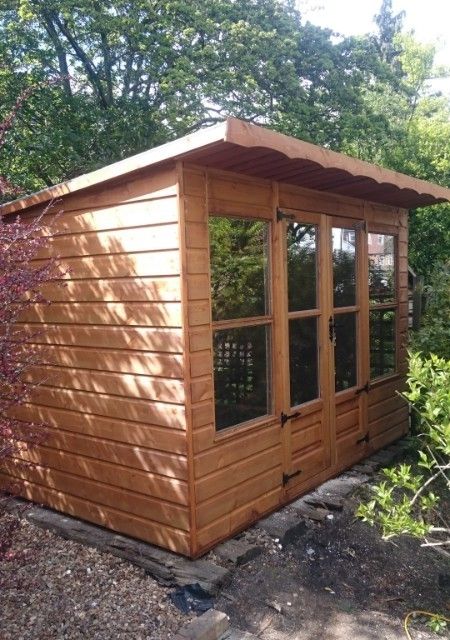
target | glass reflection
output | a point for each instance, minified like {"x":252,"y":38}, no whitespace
{"x":303,"y":357}
{"x":241,"y":374}
{"x":344,"y":267}
{"x":382,"y":342}
{"x":381,"y":268}
{"x":239,"y":267}
{"x":345,"y":351}
{"x":302,"y":266}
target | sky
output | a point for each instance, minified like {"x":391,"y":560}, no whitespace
{"x":430,"y":20}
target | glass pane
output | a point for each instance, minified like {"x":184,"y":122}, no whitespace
{"x":239,"y":268}
{"x":302,"y":266}
{"x":345,"y":351}
{"x":381,"y":268}
{"x":241,"y":374}
{"x":382,"y":342}
{"x":303,"y":363}
{"x":344,"y":267}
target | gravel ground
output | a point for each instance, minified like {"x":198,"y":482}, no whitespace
{"x":56,"y":589}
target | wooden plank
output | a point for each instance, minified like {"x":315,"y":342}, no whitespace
{"x":115,"y":290}
{"x":131,"y":433}
{"x":152,"y":263}
{"x":308,"y":200}
{"x":229,"y":187}
{"x":156,"y":339}
{"x":163,"y":365}
{"x":145,"y":411}
{"x":148,"y":238}
{"x":150,"y":314}
{"x":126,"y":385}
{"x":400,"y":415}
{"x":202,"y":389}
{"x":120,"y":216}
{"x":200,"y":338}
{"x":195,"y":207}
{"x":156,"y":485}
{"x":197,"y":261}
{"x":225,"y":453}
{"x":197,"y":235}
{"x":199,"y":313}
{"x":224,"y":503}
{"x":234,"y":475}
{"x":384,"y":408}
{"x":198,"y":287}
{"x":127,"y":501}
{"x":144,"y":529}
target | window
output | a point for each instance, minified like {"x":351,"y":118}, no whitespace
{"x":242,"y":321}
{"x":383,"y":304}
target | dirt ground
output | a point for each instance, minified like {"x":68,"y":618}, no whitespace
{"x":339,"y":581}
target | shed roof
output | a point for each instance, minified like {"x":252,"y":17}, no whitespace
{"x":238,"y":146}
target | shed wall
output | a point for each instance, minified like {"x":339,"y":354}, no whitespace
{"x":237,"y":473}
{"x":113,"y":391}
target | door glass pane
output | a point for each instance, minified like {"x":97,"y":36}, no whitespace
{"x":344,"y":267}
{"x":239,"y":267}
{"x":303,"y":356}
{"x":345,"y":351}
{"x":241,"y":374}
{"x":382,"y":342}
{"x":302,"y":266}
{"x":381,"y":268}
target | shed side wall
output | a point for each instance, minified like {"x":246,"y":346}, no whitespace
{"x":113,"y":391}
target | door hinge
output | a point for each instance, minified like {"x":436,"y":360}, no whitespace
{"x":364,"y":389}
{"x":281,"y":215}
{"x":288,"y":476}
{"x":284,"y":417}
{"x":363,"y":439}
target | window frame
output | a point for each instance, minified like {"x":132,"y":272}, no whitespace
{"x":386,"y":230}
{"x":251,"y":321}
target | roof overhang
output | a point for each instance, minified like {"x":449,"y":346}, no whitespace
{"x":235,"y":145}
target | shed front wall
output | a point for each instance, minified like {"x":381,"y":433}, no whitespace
{"x":238,"y":471}
{"x":113,"y":392}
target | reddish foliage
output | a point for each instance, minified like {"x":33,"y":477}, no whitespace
{"x":21,"y":282}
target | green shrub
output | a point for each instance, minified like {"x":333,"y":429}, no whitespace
{"x":409,"y":499}
{"x":434,"y":335}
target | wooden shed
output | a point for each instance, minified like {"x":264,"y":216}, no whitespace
{"x":231,"y":335}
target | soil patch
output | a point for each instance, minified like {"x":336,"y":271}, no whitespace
{"x":339,"y":581}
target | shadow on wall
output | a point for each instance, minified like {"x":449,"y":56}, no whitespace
{"x":112,"y":391}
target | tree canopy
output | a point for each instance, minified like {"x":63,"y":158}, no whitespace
{"x":136,"y":73}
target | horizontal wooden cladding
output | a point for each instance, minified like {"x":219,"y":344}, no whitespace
{"x":137,"y":504}
{"x":391,"y":434}
{"x":149,"y":484}
{"x":119,"y":384}
{"x":131,"y":338}
{"x":226,"y":453}
{"x":120,"y":216}
{"x":386,"y":389}
{"x":226,"y":187}
{"x":124,"y":431}
{"x":148,"y":184}
{"x":121,"y":521}
{"x":307,"y":437}
{"x":235,"y":474}
{"x":293,"y":197}
{"x":121,"y":361}
{"x":347,"y":421}
{"x":115,"y":290}
{"x":159,"y":462}
{"x":238,"y":519}
{"x":149,"y":314}
{"x":145,"y":264}
{"x":150,"y":238}
{"x":145,"y":411}
{"x":396,"y":417}
{"x":385,"y":407}
{"x":225,"y":503}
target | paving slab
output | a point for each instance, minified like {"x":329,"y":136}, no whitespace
{"x":319,"y":514}
{"x":167,"y":568}
{"x":284,"y":525}
{"x":211,"y":625}
{"x":237,"y":552}
{"x":333,"y":493}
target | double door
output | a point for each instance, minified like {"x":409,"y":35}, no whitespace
{"x":325,"y":335}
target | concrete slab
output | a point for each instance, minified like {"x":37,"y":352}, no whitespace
{"x":237,"y":552}
{"x":211,"y":625}
{"x":283,"y":525}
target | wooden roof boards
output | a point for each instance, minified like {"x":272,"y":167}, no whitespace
{"x":238,"y":146}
